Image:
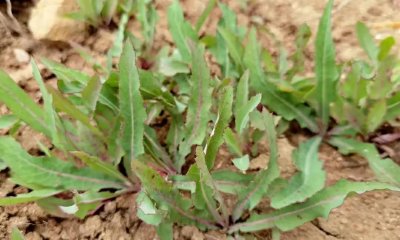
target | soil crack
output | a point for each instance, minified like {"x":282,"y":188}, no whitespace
{"x":326,"y":232}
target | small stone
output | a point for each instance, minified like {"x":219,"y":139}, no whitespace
{"x":21,"y":55}
{"x":48,"y":21}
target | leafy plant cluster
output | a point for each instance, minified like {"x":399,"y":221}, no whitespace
{"x":107,"y":139}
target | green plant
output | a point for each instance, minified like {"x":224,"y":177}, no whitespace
{"x":105,"y":140}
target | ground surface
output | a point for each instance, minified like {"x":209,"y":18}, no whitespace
{"x":370,"y":216}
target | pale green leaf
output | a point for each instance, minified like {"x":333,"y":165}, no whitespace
{"x":16,"y":234}
{"x":309,"y":180}
{"x":386,"y":170}
{"x":165,"y":231}
{"x":63,"y":104}
{"x":21,"y":105}
{"x":376,"y":115}
{"x":50,"y":172}
{"x":180,"y":30}
{"x":223,"y":118}
{"x":252,"y":195}
{"x":209,"y":190}
{"x":131,"y":104}
{"x":7,"y":120}
{"x":101,"y":166}
{"x":242,"y":163}
{"x":147,"y":212}
{"x":366,"y":41}
{"x":199,"y":105}
{"x":281,"y":103}
{"x":244,"y":111}
{"x":319,"y":205}
{"x":232,"y":140}
{"x":163,"y":193}
{"x":91,"y":93}
{"x":28,"y":197}
{"x":325,"y":66}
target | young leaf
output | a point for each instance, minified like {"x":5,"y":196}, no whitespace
{"x":385,"y":169}
{"x":231,"y":182}
{"x":147,"y":212}
{"x":131,"y":104}
{"x":367,"y":41}
{"x":217,"y":136}
{"x":325,"y":66}
{"x":209,"y":190}
{"x":233,"y":43}
{"x":243,"y":106}
{"x":100,"y":166}
{"x":305,"y":183}
{"x":16,"y":234}
{"x":22,"y":105}
{"x":203,"y":17}
{"x":28,"y":197}
{"x":376,"y":115}
{"x":242,"y":163}
{"x":253,"y":194}
{"x":50,"y":173}
{"x":199,"y":105}
{"x":233,"y":142}
{"x":319,"y":205}
{"x":163,"y":193}
{"x":279,"y":102}
{"x":180,"y":30}
{"x":63,"y":104}
{"x":91,"y":93}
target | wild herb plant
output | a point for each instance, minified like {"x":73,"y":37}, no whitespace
{"x":106,"y":140}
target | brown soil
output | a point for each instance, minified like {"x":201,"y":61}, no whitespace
{"x":370,"y":216}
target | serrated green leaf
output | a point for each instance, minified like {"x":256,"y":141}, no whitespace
{"x":319,"y":205}
{"x":242,"y":163}
{"x":180,"y":30}
{"x":50,"y":172}
{"x":309,"y":180}
{"x":243,"y":106}
{"x":147,"y":212}
{"x":22,"y":105}
{"x":279,"y":102}
{"x":325,"y":66}
{"x":223,"y":118}
{"x":199,"y":105}
{"x":91,"y":93}
{"x":163,"y":193}
{"x":28,"y":197}
{"x":244,"y":112}
{"x":231,"y":182}
{"x":386,"y":170}
{"x":131,"y":104}
{"x":233,"y":43}
{"x":253,"y":194}
{"x":209,"y":190}
{"x":63,"y":104}
{"x":367,"y":41}
{"x":302,"y":37}
{"x":100,"y":166}
{"x":376,"y":115}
